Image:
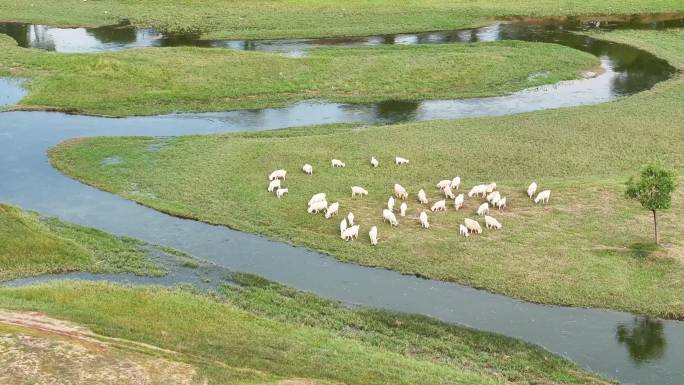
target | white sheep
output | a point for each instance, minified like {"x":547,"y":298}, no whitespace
{"x":473,"y":226}
{"x":332,"y":210}
{"x":390,"y":203}
{"x":463,"y":230}
{"x":357,"y":190}
{"x":400,"y":192}
{"x":491,"y":187}
{"x":439,"y":206}
{"x":448,"y":193}
{"x":373,"y":235}
{"x":343,"y":226}
{"x":317,"y":198}
{"x":350,"y":219}
{"x":422,"y":198}
{"x":492,"y":223}
{"x":456,"y":183}
{"x":317,"y":207}
{"x":477,"y":190}
{"x":483,"y":209}
{"x":281,"y":191}
{"x":273,"y":185}
{"x":458,"y":201}
{"x":443,"y":184}
{"x":543,"y":197}
{"x":374,"y":162}
{"x":532,"y":189}
{"x":400,"y":161}
{"x":350,"y":233}
{"x":493,"y":197}
{"x":337,"y":163}
{"x":388,"y":215}
{"x":402,"y":209}
{"x":501,"y":203}
{"x":308,"y":169}
{"x":424,"y":220}
{"x":277,"y":174}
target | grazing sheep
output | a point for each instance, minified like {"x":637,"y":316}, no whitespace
{"x":422,"y":198}
{"x":308,"y":169}
{"x":493,"y":197}
{"x":477,"y":190}
{"x":483,"y":209}
{"x":424,"y":220}
{"x":448,"y":193}
{"x":388,"y":215}
{"x":343,"y":226}
{"x":273,"y":185}
{"x":281,"y":191}
{"x":463,"y":230}
{"x":317,"y":207}
{"x":332,"y":210}
{"x":317,"y":198}
{"x":543,"y":197}
{"x":277,"y":174}
{"x":374,"y":162}
{"x":350,"y":233}
{"x":390,"y":203}
{"x":356,"y":190}
{"x":337,"y":163}
{"x":532,"y":189}
{"x":373,"y":235}
{"x":443,"y":184}
{"x":501,"y":203}
{"x":491,"y":187}
{"x":350,"y":219}
{"x":473,"y":226}
{"x":400,"y":191}
{"x":456,"y":183}
{"x":439,"y":206}
{"x":492,"y":223}
{"x":400,"y":161}
{"x":402,"y":209}
{"x":458,"y":202}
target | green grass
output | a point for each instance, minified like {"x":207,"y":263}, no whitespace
{"x":155,"y":81}
{"x":264,"y":333}
{"x":31,"y":245}
{"x":582,"y":250}
{"x":307,"y":18}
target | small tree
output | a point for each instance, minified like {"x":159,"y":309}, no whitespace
{"x":653,"y":190}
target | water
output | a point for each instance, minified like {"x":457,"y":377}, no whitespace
{"x":634,"y":350}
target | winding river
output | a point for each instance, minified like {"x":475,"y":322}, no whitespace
{"x":634,"y":350}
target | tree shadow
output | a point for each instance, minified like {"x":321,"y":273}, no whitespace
{"x":643,"y":338}
{"x":642,"y":249}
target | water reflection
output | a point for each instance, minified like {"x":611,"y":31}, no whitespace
{"x":644,"y":339}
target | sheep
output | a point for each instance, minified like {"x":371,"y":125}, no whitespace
{"x":277,"y":174}
{"x":343,"y":226}
{"x":443,"y":184}
{"x":543,"y":197}
{"x":350,"y":219}
{"x":356,"y":190}
{"x":463,"y":230}
{"x":458,"y":201}
{"x":501,"y":203}
{"x":424,"y":220}
{"x":337,"y":163}
{"x":402,"y":209}
{"x":532,"y":189}
{"x":491,"y":187}
{"x":388,"y":215}
{"x":473,"y":226}
{"x":317,"y":198}
{"x":422,"y":198}
{"x":400,"y":191}
{"x":317,"y":207}
{"x":448,"y":193}
{"x":281,"y":191}
{"x":439,"y":206}
{"x":390,"y":203}
{"x":492,"y":223}
{"x":308,"y":169}
{"x":483,"y":209}
{"x":477,"y":190}
{"x":399,"y":161}
{"x":350,"y":233}
{"x":493,"y":197}
{"x":373,"y":235}
{"x":273,"y":185}
{"x":374,"y":162}
{"x":332,"y":210}
{"x":456,"y":183}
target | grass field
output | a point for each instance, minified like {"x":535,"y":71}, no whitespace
{"x":264,"y":334}
{"x":297,"y":18}
{"x":31,"y":245}
{"x":155,"y":81}
{"x":588,"y":248}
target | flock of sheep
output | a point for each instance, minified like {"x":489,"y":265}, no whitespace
{"x":350,"y":231}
